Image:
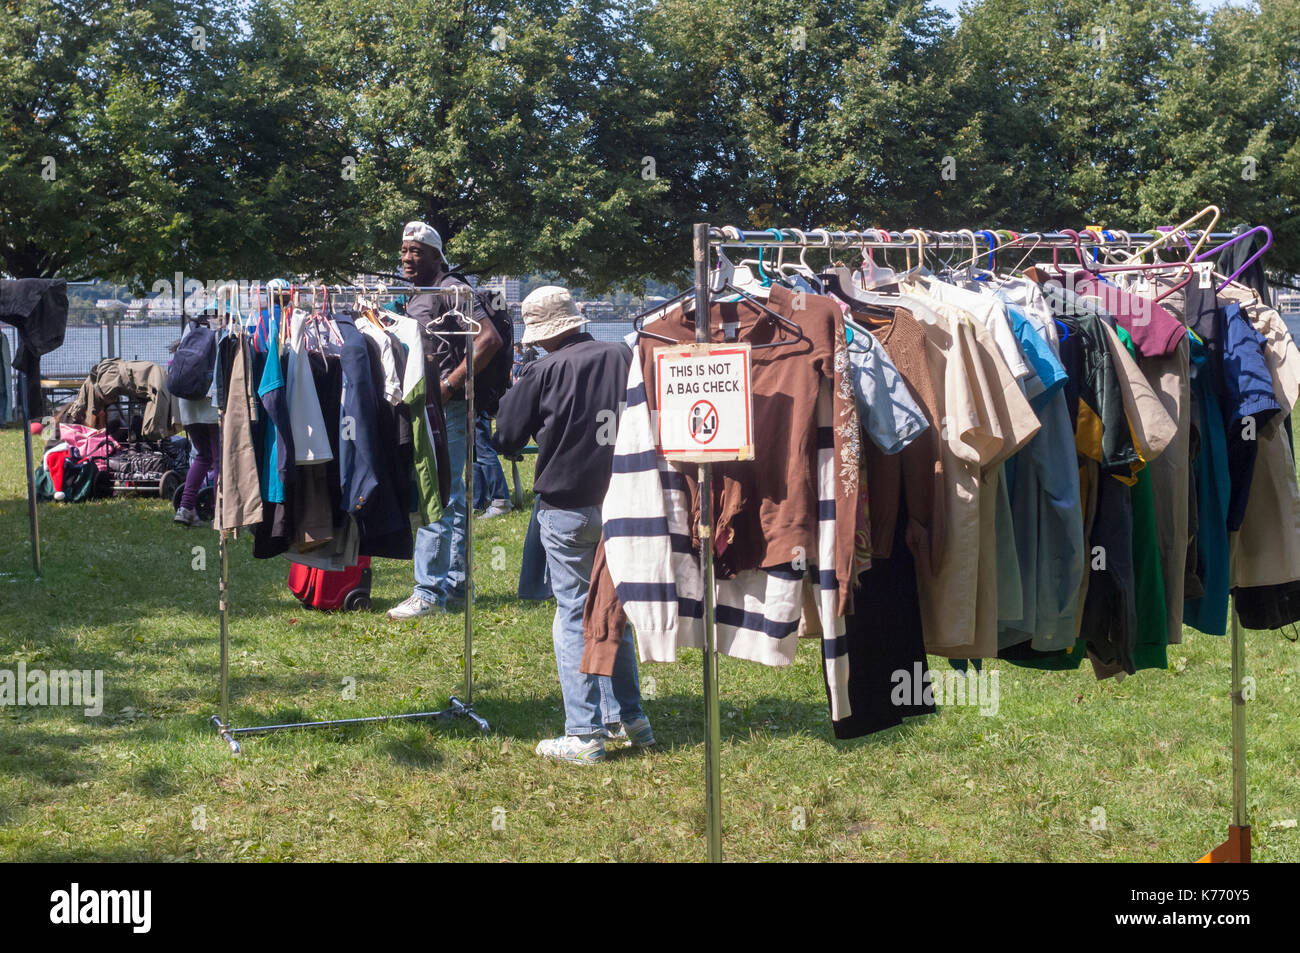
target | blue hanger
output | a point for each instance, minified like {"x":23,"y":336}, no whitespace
{"x":764,"y":277}
{"x":992,"y":240}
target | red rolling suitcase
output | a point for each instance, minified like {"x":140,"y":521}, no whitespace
{"x":341,"y":589}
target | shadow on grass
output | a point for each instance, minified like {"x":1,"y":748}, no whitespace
{"x":678,"y":720}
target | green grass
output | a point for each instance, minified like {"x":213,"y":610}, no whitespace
{"x":149,"y":780}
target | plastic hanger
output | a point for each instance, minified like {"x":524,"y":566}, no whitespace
{"x":658,"y":311}
{"x":913,"y":273}
{"x":873,"y":275}
{"x":851,"y":339}
{"x":1127,"y":268}
{"x":802,"y":268}
{"x":1249,"y":261}
{"x":837,"y":280}
{"x":1178,"y":230}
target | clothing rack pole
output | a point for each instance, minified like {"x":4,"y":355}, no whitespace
{"x":21,"y":379}
{"x":1236,"y":848}
{"x":1240,"y":822}
{"x":712,"y":729}
{"x":222,"y":720}
{"x":456,"y":707}
{"x":471,"y":436}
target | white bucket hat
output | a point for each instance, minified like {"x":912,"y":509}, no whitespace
{"x":548,"y":312}
{"x":423,"y":233}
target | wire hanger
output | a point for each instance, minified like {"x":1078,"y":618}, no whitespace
{"x":687,"y":298}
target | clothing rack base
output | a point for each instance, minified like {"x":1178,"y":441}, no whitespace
{"x":456,"y":709}
{"x":1235,"y":850}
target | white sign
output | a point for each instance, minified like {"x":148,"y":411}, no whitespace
{"x":705,"y":402}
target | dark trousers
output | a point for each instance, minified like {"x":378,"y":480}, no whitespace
{"x":489,"y":479}
{"x":207,"y":452}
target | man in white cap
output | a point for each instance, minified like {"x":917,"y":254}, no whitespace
{"x":440,"y":547}
{"x":569,"y":400}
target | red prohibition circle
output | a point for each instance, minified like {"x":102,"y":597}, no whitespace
{"x":691,"y":415}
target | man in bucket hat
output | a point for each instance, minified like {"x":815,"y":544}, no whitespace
{"x":569,"y":400}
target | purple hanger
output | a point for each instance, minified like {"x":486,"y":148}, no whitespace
{"x":1249,"y":261}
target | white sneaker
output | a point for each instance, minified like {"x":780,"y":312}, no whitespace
{"x":413,"y":607}
{"x":497,"y":508}
{"x":186,"y":517}
{"x":573,"y":748}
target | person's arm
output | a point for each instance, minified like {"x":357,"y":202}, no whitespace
{"x":517,"y":415}
{"x":486,"y":344}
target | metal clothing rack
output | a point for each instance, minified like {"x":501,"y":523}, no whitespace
{"x":705,"y":240}
{"x":463,"y":299}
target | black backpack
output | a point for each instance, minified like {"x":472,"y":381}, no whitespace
{"x":491,"y":384}
{"x":190,"y":373}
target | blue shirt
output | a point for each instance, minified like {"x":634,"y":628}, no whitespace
{"x":886,"y":409}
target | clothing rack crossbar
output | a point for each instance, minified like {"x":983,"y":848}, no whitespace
{"x":899,"y":241}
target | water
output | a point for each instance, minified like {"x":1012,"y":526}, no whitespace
{"x":85,"y":346}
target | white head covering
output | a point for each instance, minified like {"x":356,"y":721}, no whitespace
{"x":423,"y":233}
{"x":549,"y":311}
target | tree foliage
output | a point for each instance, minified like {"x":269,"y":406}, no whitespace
{"x":581,"y":138}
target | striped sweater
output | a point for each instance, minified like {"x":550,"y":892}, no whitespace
{"x":649,"y":574}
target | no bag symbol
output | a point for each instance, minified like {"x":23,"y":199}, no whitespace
{"x":703,"y":421}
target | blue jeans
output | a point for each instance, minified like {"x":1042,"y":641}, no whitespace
{"x":489,"y":479}
{"x":440,"y":546}
{"x":590,"y":701}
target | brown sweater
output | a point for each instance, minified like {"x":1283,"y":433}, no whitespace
{"x":766,"y":509}
{"x":916,"y":472}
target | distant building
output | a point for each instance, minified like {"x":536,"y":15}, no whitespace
{"x":511,"y":290}
{"x":598,"y":310}
{"x":1288,"y":304}
{"x":510,"y":287}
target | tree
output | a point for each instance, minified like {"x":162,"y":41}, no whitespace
{"x":777,"y":113}
{"x":1226,"y":130}
{"x":497,"y":123}
{"x":91,"y":102}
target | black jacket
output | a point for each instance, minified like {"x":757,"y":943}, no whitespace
{"x":570,"y":401}
{"x":38,"y":308}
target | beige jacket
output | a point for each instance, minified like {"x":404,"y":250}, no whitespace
{"x":144,"y":380}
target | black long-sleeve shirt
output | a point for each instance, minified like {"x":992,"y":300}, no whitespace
{"x":569,"y":400}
